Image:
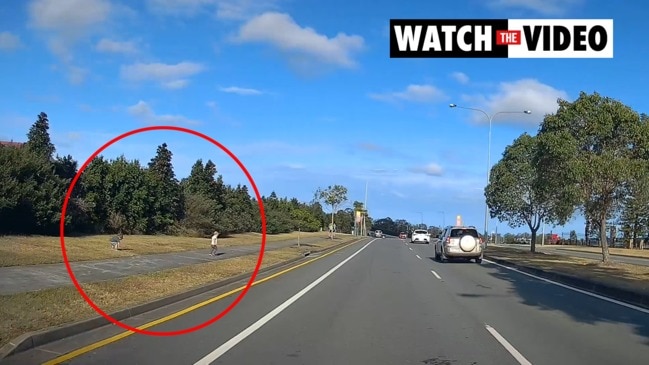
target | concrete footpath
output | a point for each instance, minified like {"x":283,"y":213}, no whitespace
{"x":19,"y":279}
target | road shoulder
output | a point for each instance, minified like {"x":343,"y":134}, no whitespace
{"x":619,"y":281}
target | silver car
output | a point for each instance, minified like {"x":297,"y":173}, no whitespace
{"x":462,"y":242}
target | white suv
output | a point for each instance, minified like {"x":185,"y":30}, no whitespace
{"x":420,"y":235}
{"x":459,"y":242}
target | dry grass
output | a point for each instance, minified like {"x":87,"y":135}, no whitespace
{"x":34,"y":250}
{"x":626,"y":276}
{"x":612,"y":251}
{"x":26,"y":312}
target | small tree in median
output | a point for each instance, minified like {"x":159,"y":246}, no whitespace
{"x":516,"y":195}
{"x":332,"y":196}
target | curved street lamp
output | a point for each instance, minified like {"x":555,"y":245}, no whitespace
{"x":490,"y":119}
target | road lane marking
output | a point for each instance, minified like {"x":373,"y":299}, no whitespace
{"x":221,"y":350}
{"x":436,"y":274}
{"x":418,"y":257}
{"x":123,"y":335}
{"x":610,"y":300}
{"x":410,"y":248}
{"x":508,"y":346}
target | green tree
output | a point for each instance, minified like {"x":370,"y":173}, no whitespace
{"x":635,"y":207}
{"x":166,"y":207}
{"x":589,"y":148}
{"x":30,"y":192}
{"x":129,"y":193}
{"x":386,"y":225}
{"x":333,"y":196}
{"x":344,"y":220}
{"x":515,"y":193}
{"x":38,"y":138}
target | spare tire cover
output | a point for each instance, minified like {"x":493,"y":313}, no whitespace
{"x":467,"y":243}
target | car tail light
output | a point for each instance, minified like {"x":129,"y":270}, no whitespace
{"x":448,"y":240}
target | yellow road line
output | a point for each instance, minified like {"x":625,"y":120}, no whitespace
{"x":107,"y":341}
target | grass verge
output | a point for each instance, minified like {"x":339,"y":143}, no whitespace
{"x":612,"y":251}
{"x":34,"y":250}
{"x":616,"y":274}
{"x":27,"y":312}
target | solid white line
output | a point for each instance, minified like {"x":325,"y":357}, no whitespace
{"x":508,"y":346}
{"x":221,"y":350}
{"x":610,"y":300}
{"x":436,"y":275}
{"x":418,"y":257}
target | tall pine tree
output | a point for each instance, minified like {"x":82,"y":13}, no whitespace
{"x":38,"y":137}
{"x":167,"y":207}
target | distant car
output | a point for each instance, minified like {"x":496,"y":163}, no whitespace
{"x":379,"y":234}
{"x":403,"y":235}
{"x":459,"y":242}
{"x":420,"y":235}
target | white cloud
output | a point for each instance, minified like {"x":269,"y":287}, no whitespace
{"x":243,"y":9}
{"x":67,"y":21}
{"x":241,"y":90}
{"x":222,"y":9}
{"x":431,"y":169}
{"x":371,"y":147}
{"x":143,"y":112}
{"x":9,"y":41}
{"x":412,"y":93}
{"x":545,"y":7}
{"x":294,"y":166}
{"x":282,"y":32}
{"x":178,"y":7}
{"x":411,"y":179}
{"x":460,"y":77}
{"x":77,"y":75}
{"x":176,"y":84}
{"x":220,"y":117}
{"x":279,"y":148}
{"x":399,"y":194}
{"x":517,"y":96}
{"x":111,"y":46}
{"x":169,"y":76}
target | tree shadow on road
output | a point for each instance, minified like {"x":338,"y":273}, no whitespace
{"x":530,"y":292}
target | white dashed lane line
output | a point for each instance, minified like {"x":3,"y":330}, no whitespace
{"x":508,"y":346}
{"x":418,"y":257}
{"x":436,"y":274}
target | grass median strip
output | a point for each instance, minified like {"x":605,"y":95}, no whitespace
{"x":34,"y":250}
{"x":32,"y":311}
{"x":612,"y":251}
{"x":616,"y":274}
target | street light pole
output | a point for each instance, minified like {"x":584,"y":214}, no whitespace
{"x":490,"y":119}
{"x":421,"y":216}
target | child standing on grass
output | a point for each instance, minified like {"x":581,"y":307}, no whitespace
{"x":214,"y":243}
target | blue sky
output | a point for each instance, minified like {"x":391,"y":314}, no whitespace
{"x":304,"y":92}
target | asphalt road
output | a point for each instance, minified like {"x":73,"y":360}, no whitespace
{"x":386,"y":302}
{"x":558,"y":250}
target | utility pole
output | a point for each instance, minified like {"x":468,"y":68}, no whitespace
{"x":365,"y":210}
